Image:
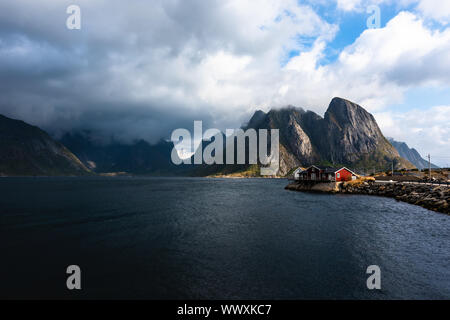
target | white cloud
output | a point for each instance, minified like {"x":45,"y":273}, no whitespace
{"x":435,"y":9}
{"x":152,"y":67}
{"x":376,"y":69}
{"x":382,"y":63}
{"x":428,"y":131}
{"x":348,"y":5}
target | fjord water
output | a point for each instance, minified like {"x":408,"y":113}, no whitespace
{"x":189,"y":238}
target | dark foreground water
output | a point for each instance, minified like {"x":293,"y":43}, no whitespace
{"x":184,"y":238}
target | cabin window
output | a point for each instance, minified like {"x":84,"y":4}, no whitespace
{"x":338,"y":175}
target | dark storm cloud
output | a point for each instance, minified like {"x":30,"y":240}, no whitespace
{"x":139,"y":69}
{"x":116,"y":74}
{"x":142,"y":68}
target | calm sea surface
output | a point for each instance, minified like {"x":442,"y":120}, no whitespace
{"x":189,"y":238}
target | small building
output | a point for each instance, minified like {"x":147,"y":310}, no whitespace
{"x":345,"y":174}
{"x":296,"y":173}
{"x":326,"y":174}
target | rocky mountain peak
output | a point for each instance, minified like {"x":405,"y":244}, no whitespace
{"x":346,"y":135}
{"x":256,"y":119}
{"x":346,"y":112}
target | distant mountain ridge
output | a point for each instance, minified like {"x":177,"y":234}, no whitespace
{"x":28,"y":150}
{"x":410,"y":154}
{"x":346,"y":135}
{"x":139,"y":157}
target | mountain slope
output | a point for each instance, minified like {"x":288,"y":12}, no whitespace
{"x":347,"y":135}
{"x":410,"y":154}
{"x":354,"y":137}
{"x":28,"y":150}
{"x":137,"y":158}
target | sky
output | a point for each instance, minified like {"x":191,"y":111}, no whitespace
{"x":140,"y":69}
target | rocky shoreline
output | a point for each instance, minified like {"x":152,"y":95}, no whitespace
{"x":432,"y":197}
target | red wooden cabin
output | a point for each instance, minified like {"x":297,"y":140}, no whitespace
{"x":326,"y":174}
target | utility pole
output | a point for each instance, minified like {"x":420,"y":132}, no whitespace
{"x":429,"y":165}
{"x":392,"y":168}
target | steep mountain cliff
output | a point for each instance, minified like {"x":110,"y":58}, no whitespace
{"x":410,"y":154}
{"x":347,"y":135}
{"x":353,"y":137}
{"x":28,"y":150}
{"x":296,"y":147}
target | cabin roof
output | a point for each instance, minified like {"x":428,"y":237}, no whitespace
{"x":326,"y":169}
{"x":330,"y":169}
{"x":352,"y":172}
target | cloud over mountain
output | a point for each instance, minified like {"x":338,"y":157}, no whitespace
{"x":139,"y":69}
